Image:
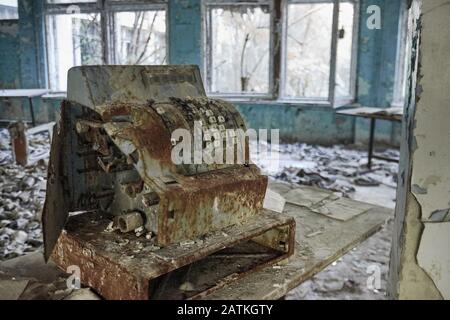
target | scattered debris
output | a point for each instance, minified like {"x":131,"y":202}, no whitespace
{"x":22,"y":194}
{"x":110,"y":227}
{"x":139,"y":231}
{"x":338,"y":168}
{"x":187,"y":243}
{"x":149,"y":236}
{"x":274,"y":201}
{"x":313,"y":234}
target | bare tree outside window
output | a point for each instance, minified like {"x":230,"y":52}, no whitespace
{"x":90,"y":32}
{"x":308,"y":50}
{"x":140,"y":37}
{"x":240,"y":49}
{"x":74,"y":40}
{"x":301,"y":50}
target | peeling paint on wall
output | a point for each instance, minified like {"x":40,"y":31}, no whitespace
{"x":433,"y":255}
{"x":420,"y":259}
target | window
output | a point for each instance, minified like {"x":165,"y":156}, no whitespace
{"x":90,"y":32}
{"x":140,"y":37}
{"x":308,"y":50}
{"x":239,"y":38}
{"x":316,"y":61}
{"x":319,"y":51}
{"x":8,"y":10}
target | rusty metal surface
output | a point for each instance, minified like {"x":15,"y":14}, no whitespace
{"x":96,"y":85}
{"x":112,"y":157}
{"x":55,"y":211}
{"x":105,"y":157}
{"x":121,"y":266}
{"x":113,"y":146}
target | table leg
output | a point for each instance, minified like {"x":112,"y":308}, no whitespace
{"x":33,"y":120}
{"x":371,"y":138}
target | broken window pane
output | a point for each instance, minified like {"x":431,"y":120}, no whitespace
{"x":8,"y":10}
{"x":140,"y":37}
{"x":73,"y":40}
{"x":344,"y":50}
{"x":308,"y":50}
{"x":240,"y":49}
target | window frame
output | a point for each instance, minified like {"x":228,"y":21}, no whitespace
{"x":107,"y":9}
{"x":401,"y":64}
{"x":278,"y":51}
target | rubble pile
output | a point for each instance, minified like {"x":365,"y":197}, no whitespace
{"x":22,"y":195}
{"x":336,"y":168}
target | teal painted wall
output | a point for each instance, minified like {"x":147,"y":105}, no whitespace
{"x":311,"y":124}
{"x":377,"y":51}
{"x":9,"y":59}
{"x":32,"y":44}
{"x":22,"y":61}
{"x":185,"y":32}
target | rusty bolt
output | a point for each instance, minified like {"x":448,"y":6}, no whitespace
{"x":130,"y":222}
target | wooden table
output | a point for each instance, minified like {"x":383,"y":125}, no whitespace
{"x":389,"y":114}
{"x":24,"y":93}
{"x":320,"y":240}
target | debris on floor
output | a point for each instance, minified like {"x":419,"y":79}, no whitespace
{"x":339,"y":169}
{"x":344,"y":171}
{"x":22,"y":192}
{"x":348,"y":277}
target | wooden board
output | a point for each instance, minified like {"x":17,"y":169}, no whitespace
{"x":320,"y":240}
{"x":307,"y":196}
{"x":342,"y":209}
{"x":394,"y":114}
{"x":312,"y":254}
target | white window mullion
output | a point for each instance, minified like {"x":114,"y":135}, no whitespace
{"x":334,"y":30}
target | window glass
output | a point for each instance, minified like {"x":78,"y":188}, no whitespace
{"x":73,"y":40}
{"x":140,"y":37}
{"x":308,"y":50}
{"x":240,"y":49}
